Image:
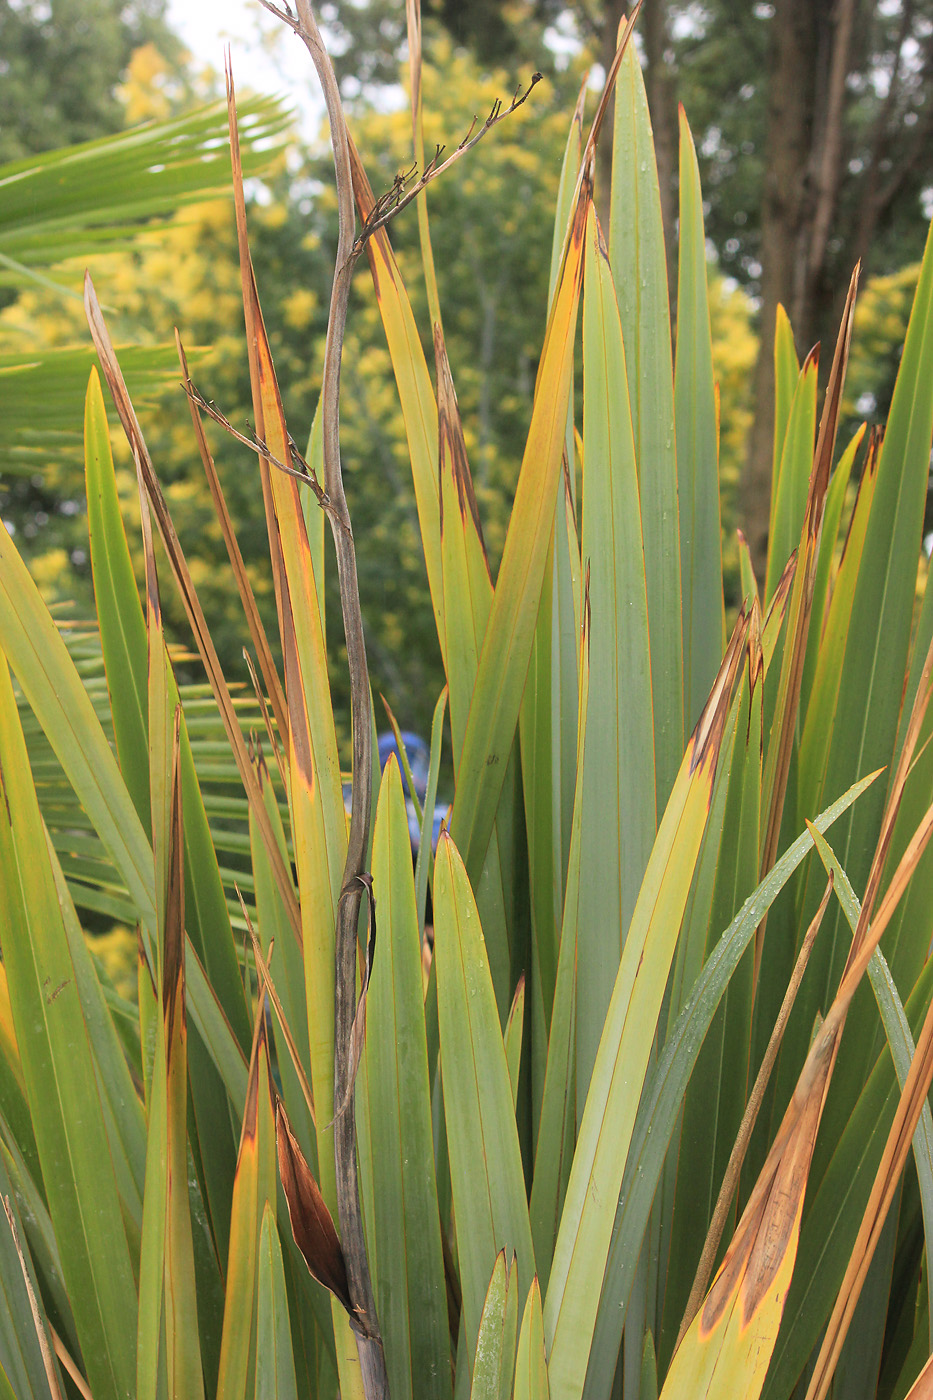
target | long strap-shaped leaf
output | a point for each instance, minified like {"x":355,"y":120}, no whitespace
{"x":609,"y":1115}
{"x":413,"y":24}
{"x":506,"y":649}
{"x":182,"y":1338}
{"x":864,"y":725}
{"x":558,"y":1118}
{"x":318,"y":818}
{"x":728,"y":1347}
{"x":124,"y":647}
{"x":51,"y":683}
{"x":206,"y":648}
{"x":416,"y":394}
{"x":506,"y":653}
{"x":257,"y":631}
{"x":897,"y":1031}
{"x":815,"y":740}
{"x":863,"y":1099}
{"x":796,"y":459}
{"x":395,"y":1104}
{"x":530,"y":1362}
{"x":468,"y":590}
{"x":826,"y":566}
{"x":319,"y":822}
{"x":53,"y":688}
{"x":275,"y":1363}
{"x":697,"y":445}
{"x":468,"y":595}
{"x":786,"y":371}
{"x":254,"y":1192}
{"x":548,"y":720}
{"x":23,"y":1361}
{"x":777,"y":763}
{"x":60,"y":1077}
{"x":138,"y":663}
{"x":715,"y":1102}
{"x":167,"y":1287}
{"x":485,"y":1161}
{"x":123,"y":1112}
{"x":287,"y":974}
{"x":618,"y":819}
{"x":896,"y":1150}
{"x":639,"y":268}
{"x":152,"y":1249}
{"x":57,"y":201}
{"x":662,"y":1101}
{"x":309,"y":711}
{"x":922,"y":1387}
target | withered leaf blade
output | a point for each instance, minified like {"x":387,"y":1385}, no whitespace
{"x":312,"y":1224}
{"x":202,"y":635}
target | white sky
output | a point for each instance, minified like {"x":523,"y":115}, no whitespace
{"x":267,"y":57}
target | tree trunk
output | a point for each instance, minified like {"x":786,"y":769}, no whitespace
{"x":826,"y":163}
{"x":810,"y":56}
{"x":791,"y":81}
{"x":612,"y":14}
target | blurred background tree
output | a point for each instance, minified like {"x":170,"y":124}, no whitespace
{"x":64,"y":64}
{"x":789,"y":209}
{"x":812,"y":122}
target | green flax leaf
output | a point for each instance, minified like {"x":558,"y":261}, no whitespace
{"x":394,"y":1098}
{"x":485,"y":1161}
{"x":60,"y":1077}
{"x":697,"y":446}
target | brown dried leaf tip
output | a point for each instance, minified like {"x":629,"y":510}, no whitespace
{"x":707,"y":735}
{"x":312,"y":1223}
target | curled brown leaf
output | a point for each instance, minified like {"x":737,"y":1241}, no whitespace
{"x":312,"y":1224}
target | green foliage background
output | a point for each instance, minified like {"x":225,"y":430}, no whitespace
{"x":492,"y":235}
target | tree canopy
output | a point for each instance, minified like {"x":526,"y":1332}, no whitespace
{"x":63,"y":64}
{"x":812,"y":123}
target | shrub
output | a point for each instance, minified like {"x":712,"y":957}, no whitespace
{"x":498,"y":1176}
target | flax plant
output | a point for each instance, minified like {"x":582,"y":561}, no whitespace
{"x":629,"y":1119}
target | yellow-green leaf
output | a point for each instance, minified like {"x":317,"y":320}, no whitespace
{"x":530,"y":1362}
{"x":485,"y":1162}
{"x":494,"y":1361}
{"x":506,"y":650}
{"x":60,"y":1077}
{"x":639,"y":269}
{"x":697,"y":445}
{"x":618,"y":817}
{"x":394,"y":1110}
{"x":615,"y":1088}
{"x":254,"y":1192}
{"x":275,"y":1365}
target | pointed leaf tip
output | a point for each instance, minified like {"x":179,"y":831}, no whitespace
{"x":709,"y":727}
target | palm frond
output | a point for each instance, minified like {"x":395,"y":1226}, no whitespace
{"x":86,"y":199}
